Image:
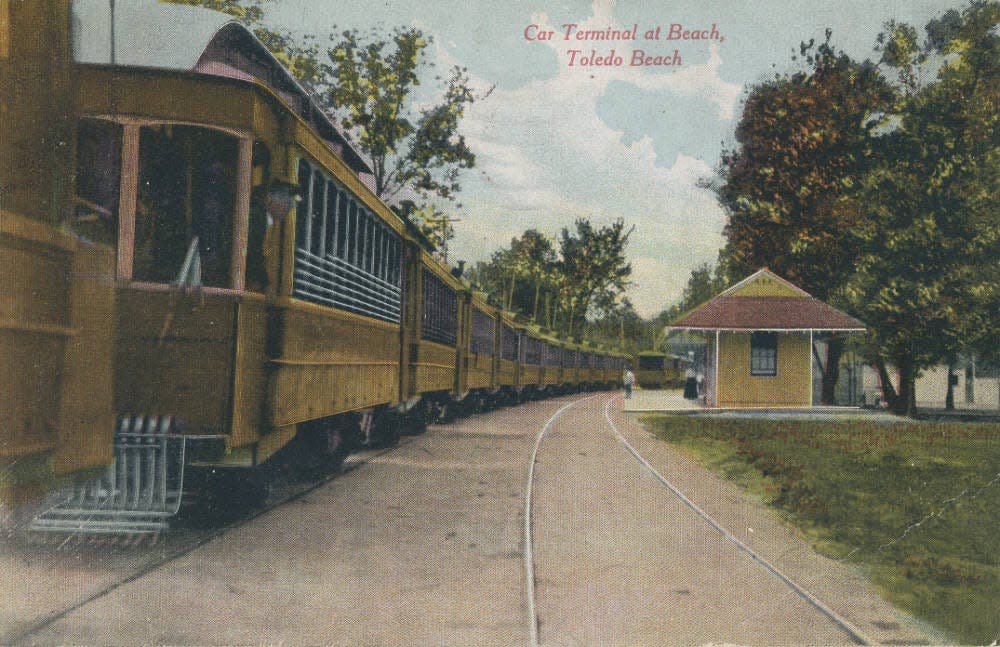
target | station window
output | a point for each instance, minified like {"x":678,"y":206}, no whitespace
{"x":98,"y":175}
{"x":764,"y":354}
{"x":185,"y":204}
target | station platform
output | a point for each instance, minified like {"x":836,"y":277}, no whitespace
{"x":672,"y":401}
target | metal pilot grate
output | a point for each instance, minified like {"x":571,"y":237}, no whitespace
{"x":138,"y":493}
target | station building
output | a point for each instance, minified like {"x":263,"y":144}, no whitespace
{"x":759,"y":335}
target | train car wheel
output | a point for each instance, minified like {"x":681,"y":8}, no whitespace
{"x":414,"y":421}
{"x":343,"y":436}
{"x":386,"y":428}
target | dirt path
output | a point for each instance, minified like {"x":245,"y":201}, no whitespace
{"x":424,"y":545}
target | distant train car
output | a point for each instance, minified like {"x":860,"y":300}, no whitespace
{"x":660,"y":370}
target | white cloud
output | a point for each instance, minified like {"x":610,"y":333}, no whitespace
{"x":547,"y":158}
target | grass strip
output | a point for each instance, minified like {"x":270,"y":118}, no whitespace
{"x":918,"y":503}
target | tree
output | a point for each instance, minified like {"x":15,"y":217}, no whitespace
{"x":518,"y":278}
{"x":789,"y":187}
{"x":927,"y":278}
{"x":432,"y":223}
{"x":622,"y":328}
{"x":371,"y":86}
{"x":593,"y":272}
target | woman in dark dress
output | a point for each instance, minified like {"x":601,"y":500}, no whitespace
{"x":690,"y":385}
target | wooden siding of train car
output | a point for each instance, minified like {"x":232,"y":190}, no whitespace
{"x":589,"y":374}
{"x":480,"y":370}
{"x":329,"y":362}
{"x":529,"y":374}
{"x":435,"y":367}
{"x":571,"y":372}
{"x":56,"y":418}
{"x":37,"y":126}
{"x":56,"y":295}
{"x":552,"y":373}
{"x":175,"y":356}
{"x":507,"y":369}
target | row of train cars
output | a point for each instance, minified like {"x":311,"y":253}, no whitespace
{"x":196,"y":281}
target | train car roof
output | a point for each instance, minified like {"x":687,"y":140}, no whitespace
{"x":151,"y":34}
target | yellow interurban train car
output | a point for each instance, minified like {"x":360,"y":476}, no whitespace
{"x":197,"y":279}
{"x":655,"y":370}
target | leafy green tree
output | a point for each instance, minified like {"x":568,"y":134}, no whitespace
{"x":432,"y":223}
{"x":789,"y":186}
{"x":520,"y":277}
{"x":927,"y":278}
{"x":593,"y":272}
{"x":368,"y":82}
{"x":622,"y":328}
{"x":371,"y":85}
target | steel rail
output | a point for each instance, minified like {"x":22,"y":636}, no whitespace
{"x":854,"y":632}
{"x":529,"y":558}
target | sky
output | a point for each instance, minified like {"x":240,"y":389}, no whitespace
{"x":557,"y":139}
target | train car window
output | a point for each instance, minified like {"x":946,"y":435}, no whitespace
{"x":550,"y":355}
{"x":317,"y":209}
{"x":650,"y":362}
{"x":376,"y":253}
{"x":342,"y":207}
{"x":352,"y":234}
{"x":372,"y":244}
{"x":98,"y":172}
{"x":187,"y":193}
{"x":302,"y":208}
{"x":332,"y":198}
{"x":335,"y":245}
{"x":440,"y":313}
{"x":508,"y":343}
{"x":483,"y":332}
{"x":533,"y":351}
{"x":397,"y":262}
{"x":362,"y":250}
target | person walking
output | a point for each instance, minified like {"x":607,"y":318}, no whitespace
{"x":628,"y":379}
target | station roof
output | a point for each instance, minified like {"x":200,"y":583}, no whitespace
{"x":767,"y":302}
{"x":155,"y":35}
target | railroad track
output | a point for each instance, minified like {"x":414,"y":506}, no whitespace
{"x":669,"y":489}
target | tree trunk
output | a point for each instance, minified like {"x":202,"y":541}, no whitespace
{"x":949,"y":398}
{"x":888,"y":392}
{"x":538,"y":294}
{"x":907,"y":401}
{"x":834,"y":351}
